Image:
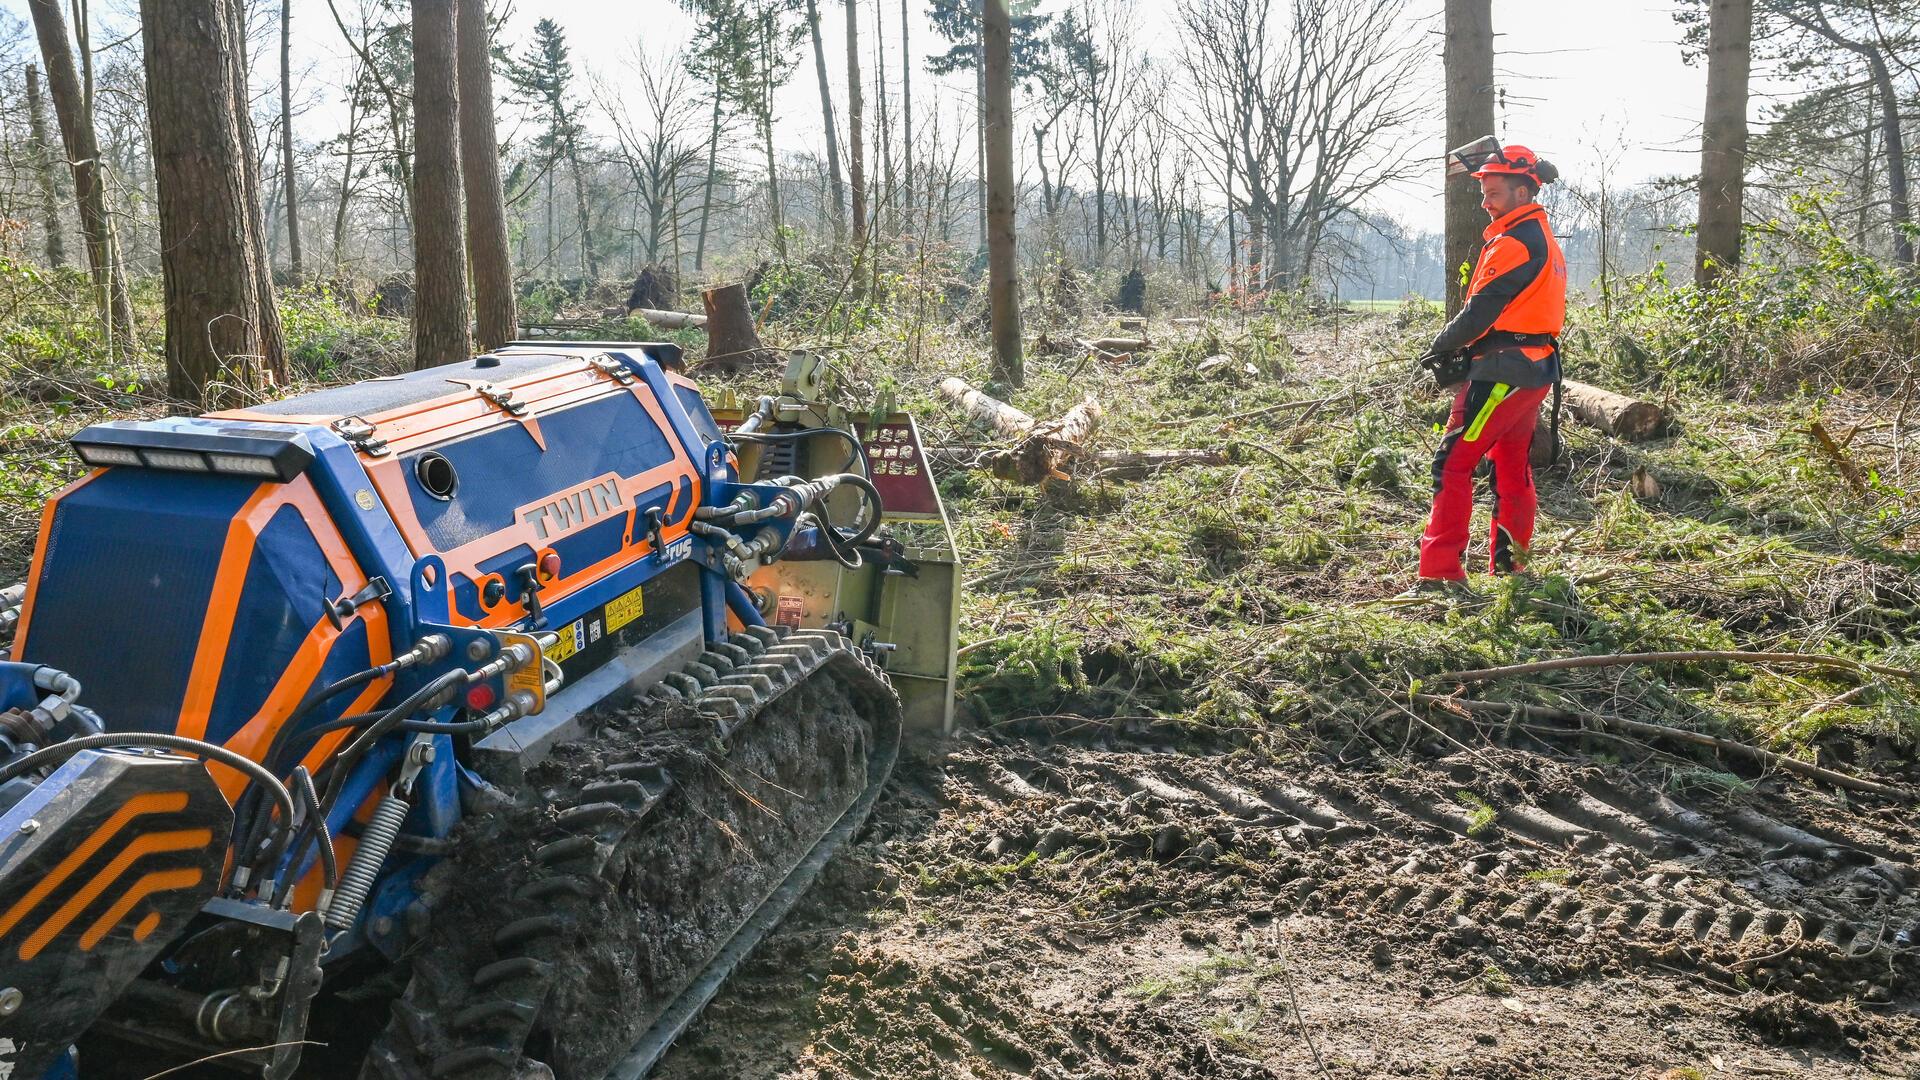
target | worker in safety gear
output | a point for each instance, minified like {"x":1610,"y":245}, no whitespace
{"x":1508,"y":332}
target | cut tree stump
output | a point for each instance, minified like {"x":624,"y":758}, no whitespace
{"x":1618,"y":415}
{"x":733,"y":344}
{"x":1041,"y":455}
{"x":670,"y":320}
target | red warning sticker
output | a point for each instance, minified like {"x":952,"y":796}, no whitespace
{"x":788,"y":611}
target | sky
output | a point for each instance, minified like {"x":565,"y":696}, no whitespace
{"x":1589,"y":85}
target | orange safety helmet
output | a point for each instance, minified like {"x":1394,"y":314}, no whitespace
{"x":1519,"y":161}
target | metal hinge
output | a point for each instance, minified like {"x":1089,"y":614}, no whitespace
{"x":609,"y":366}
{"x":502,"y":398}
{"x":359,"y":435}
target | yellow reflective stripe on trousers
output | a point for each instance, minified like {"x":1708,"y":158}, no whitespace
{"x":1494,"y":398}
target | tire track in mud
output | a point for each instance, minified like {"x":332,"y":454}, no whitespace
{"x":1012,"y":911}
{"x":1596,"y":869}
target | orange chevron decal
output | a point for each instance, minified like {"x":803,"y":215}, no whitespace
{"x":154,"y":802}
{"x":138,"y":848}
{"x":158,"y":881}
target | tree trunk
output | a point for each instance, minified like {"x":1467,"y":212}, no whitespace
{"x":1723,"y":141}
{"x":1469,"y":75}
{"x":836,"y":188}
{"x":906,"y":113}
{"x":439,"y":259}
{"x":286,"y":141}
{"x":1895,"y":142}
{"x":1003,"y":283}
{"x":732,"y":342}
{"x":44,"y":172}
{"x":268,"y":313}
{"x":856,"y":139}
{"x":706,"y":197}
{"x":589,"y":262}
{"x":83,"y":156}
{"x":488,"y":256}
{"x":209,"y":222}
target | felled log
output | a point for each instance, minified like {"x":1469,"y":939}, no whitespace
{"x":732,"y":342}
{"x":1045,"y":450}
{"x":670,"y":320}
{"x":1131,"y":464}
{"x":986,"y":410}
{"x":1117,"y":344}
{"x":1616,"y":414}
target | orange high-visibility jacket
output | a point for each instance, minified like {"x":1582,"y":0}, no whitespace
{"x":1516,"y":304}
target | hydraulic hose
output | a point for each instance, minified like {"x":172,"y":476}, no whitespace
{"x":858,"y":456}
{"x":344,"y":761}
{"x":313,"y":823}
{"x":742,"y":607}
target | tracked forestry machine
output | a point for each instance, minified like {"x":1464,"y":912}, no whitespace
{"x":471,"y":722}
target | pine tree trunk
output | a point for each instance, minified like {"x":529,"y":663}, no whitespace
{"x":209,"y":222}
{"x":836,"y":188}
{"x":83,"y":156}
{"x":1003,"y":283}
{"x":856,"y":139}
{"x":1723,"y":140}
{"x":439,"y":260}
{"x":706,"y":196}
{"x":286,"y":141}
{"x":1469,"y":74}
{"x":906,"y":112}
{"x":589,"y":262}
{"x":1894,"y":140}
{"x":45,"y":173}
{"x":488,"y":256}
{"x":272,"y":345}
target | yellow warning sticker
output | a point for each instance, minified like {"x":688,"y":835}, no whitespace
{"x":623,"y":609}
{"x":572,"y":639}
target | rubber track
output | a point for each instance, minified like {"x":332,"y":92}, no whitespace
{"x":728,"y":687}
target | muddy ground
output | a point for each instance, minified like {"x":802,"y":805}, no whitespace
{"x":1097,"y":904}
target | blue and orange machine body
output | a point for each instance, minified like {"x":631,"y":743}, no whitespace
{"x":211,"y":572}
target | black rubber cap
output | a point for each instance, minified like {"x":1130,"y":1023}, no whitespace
{"x":487,"y":360}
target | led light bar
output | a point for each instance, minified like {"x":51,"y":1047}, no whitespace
{"x":192,"y":445}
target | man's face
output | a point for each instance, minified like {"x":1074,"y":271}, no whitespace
{"x":1500,"y":195}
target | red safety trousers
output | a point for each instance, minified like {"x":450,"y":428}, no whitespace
{"x":1490,"y":420}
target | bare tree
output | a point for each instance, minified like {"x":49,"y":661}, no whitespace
{"x":659,"y":148}
{"x":1469,"y":64}
{"x":488,"y":257}
{"x":439,"y":260}
{"x":1307,"y":116}
{"x":1866,"y":37}
{"x":45,"y":174}
{"x":73,"y":110}
{"x":1723,"y":139}
{"x":906,"y":109}
{"x":1003,"y":282}
{"x":1098,"y":51}
{"x":837,"y":195}
{"x":291,"y":198}
{"x":856,"y":145}
{"x":210,"y":226}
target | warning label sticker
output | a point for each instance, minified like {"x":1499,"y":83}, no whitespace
{"x":789,"y":610}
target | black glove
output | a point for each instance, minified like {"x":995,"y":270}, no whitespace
{"x":1448,"y":369}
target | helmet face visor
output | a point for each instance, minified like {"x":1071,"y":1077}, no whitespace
{"x":1471,"y":158}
